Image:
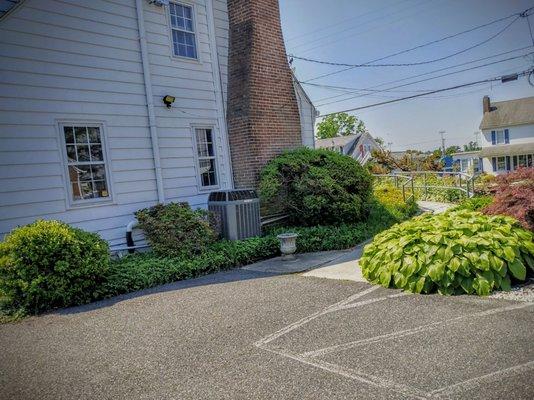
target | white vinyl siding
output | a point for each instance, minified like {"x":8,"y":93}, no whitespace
{"x":80,"y":61}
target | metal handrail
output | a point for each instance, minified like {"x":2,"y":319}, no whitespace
{"x":409,"y":178}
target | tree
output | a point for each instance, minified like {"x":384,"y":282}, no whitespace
{"x":471,"y":146}
{"x":452,"y":149}
{"x":339,"y":124}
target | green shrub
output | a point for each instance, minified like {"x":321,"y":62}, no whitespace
{"x":50,"y":264}
{"x":476,"y":203}
{"x":175,"y":229}
{"x":144,"y":270}
{"x":392,"y":199}
{"x":455,"y":252}
{"x":317,"y":187}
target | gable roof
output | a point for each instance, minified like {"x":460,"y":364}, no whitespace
{"x":336,"y":141}
{"x":509,"y":113}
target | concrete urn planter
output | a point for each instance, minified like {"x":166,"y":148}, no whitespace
{"x":288,"y":245}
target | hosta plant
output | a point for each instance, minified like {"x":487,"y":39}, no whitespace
{"x":451,"y":253}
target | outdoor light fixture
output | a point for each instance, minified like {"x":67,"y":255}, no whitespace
{"x":168,"y":100}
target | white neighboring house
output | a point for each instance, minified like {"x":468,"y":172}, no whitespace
{"x":308,"y":114}
{"x":358,"y":146}
{"x":468,"y":161}
{"x":507,"y":135}
{"x":85,"y":136}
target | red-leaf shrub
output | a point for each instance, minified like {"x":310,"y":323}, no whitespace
{"x":514,"y":196}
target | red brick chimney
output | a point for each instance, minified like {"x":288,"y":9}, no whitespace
{"x":263,"y":116}
{"x":486,"y":104}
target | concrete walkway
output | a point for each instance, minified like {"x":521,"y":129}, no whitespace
{"x":434,"y":206}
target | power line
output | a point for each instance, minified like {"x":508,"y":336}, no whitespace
{"x":370,"y":65}
{"x":524,"y":14}
{"x":371,"y":88}
{"x":519,"y":74}
{"x":427,"y":79}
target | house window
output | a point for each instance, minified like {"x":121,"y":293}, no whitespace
{"x":476,"y":165}
{"x":206,"y":157}
{"x":86,"y":165}
{"x":501,"y":163}
{"x":465,"y":165}
{"x":182,"y":30}
{"x":499,"y":137}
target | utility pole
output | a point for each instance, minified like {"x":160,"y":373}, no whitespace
{"x":442,"y":133}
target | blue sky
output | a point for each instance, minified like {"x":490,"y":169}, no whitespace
{"x":357,"y":31}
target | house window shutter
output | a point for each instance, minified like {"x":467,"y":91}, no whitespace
{"x":506,"y":136}
{"x":508,"y":166}
{"x":480,"y":165}
{"x":494,"y":162}
{"x":493,"y":138}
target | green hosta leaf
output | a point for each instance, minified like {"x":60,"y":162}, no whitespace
{"x":454,"y":264}
{"x":482,"y":286}
{"x":518,"y":270}
{"x":484,"y":262}
{"x":509,"y":253}
{"x":385,"y":278}
{"x":467,"y":285}
{"x":506,"y":284}
{"x":420,"y":284}
{"x":399,"y":280}
{"x":436,"y":271}
{"x":498,"y":265}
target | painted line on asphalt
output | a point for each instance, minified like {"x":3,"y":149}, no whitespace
{"x":488,"y":378}
{"x":352,"y":374}
{"x":409,"y":332}
{"x":305,"y":320}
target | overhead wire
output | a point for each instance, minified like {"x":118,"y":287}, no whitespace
{"x":494,"y":79}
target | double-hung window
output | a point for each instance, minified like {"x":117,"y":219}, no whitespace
{"x":501,"y":164}
{"x":207,"y":162}
{"x":86,"y":163}
{"x":183,"y":30}
{"x":499,"y":137}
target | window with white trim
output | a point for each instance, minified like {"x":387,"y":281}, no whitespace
{"x":499,"y":137}
{"x":501,"y":163}
{"x":86,"y":165}
{"x":183,"y":30}
{"x":207,"y":163}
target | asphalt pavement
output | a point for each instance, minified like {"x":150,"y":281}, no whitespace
{"x":245,"y":334}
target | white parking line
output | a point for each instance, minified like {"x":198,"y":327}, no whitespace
{"x":311,"y":357}
{"x":408,"y":332}
{"x":475,"y":382}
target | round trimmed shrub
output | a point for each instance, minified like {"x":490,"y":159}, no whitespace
{"x":452,"y":253}
{"x":317,"y":187}
{"x":175,"y":230}
{"x":49,"y":264}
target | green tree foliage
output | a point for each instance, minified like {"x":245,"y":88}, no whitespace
{"x":50,"y":264}
{"x":452,"y":253}
{"x":340,"y":124}
{"x":471,"y":146}
{"x":317,"y":186}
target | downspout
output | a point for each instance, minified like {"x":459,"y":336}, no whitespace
{"x":217,"y":83}
{"x":150,"y":100}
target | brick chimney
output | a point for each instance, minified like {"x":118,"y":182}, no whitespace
{"x":263,"y":116}
{"x":486,"y":104}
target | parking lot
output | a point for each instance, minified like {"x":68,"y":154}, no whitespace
{"x":249,"y":335}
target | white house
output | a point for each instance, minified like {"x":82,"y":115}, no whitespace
{"x":358,"y":146}
{"x":308,"y":114}
{"x":507,"y":135}
{"x":467,"y":161}
{"x":111,"y":106}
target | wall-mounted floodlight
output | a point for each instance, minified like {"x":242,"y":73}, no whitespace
{"x":168,"y":100}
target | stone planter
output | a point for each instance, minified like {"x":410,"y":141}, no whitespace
{"x":288,"y":245}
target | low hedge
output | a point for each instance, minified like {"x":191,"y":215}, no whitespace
{"x":452,"y":253}
{"x":476,"y":203}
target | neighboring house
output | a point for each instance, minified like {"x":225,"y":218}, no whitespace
{"x":358,"y":146}
{"x":308,"y":114}
{"x":108,"y":107}
{"x":468,"y":162}
{"x":507,"y":135}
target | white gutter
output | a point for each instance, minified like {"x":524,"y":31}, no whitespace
{"x":217,"y":82}
{"x":150,"y":100}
